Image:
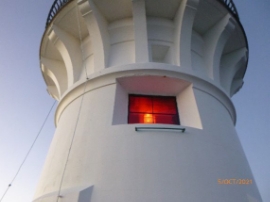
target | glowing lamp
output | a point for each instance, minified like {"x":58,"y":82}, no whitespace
{"x":148,"y":118}
{"x":152,"y":109}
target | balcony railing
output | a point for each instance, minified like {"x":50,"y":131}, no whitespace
{"x":56,"y":7}
{"x":231,"y":7}
{"x":59,"y":4}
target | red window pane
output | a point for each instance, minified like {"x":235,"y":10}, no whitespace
{"x":140,"y":104}
{"x":141,"y":118}
{"x":164,"y":105}
{"x":166,"y":119}
{"x":152,"y":109}
{"x":134,"y":118}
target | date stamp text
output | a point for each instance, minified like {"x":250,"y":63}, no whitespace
{"x":234,"y":181}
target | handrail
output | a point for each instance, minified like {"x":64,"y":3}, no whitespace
{"x":56,"y":7}
{"x":59,"y":4}
{"x":231,"y":7}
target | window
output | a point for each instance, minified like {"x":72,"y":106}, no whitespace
{"x":152,"y":109}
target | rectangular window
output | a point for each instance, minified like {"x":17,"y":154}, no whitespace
{"x":152,"y":109}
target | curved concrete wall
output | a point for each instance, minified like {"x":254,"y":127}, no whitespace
{"x":94,"y":54}
{"x":86,"y":38}
{"x":117,"y":163}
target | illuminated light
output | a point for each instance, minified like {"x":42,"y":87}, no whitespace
{"x":148,"y":118}
{"x":152,"y":109}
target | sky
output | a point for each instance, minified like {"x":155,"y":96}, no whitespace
{"x":24,"y":102}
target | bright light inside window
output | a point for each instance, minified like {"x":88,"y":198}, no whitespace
{"x":152,"y":109}
{"x":148,"y":118}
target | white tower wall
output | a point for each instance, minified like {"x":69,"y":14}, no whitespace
{"x":193,"y":50}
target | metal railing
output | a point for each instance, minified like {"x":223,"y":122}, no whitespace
{"x":59,"y":4}
{"x":231,"y":7}
{"x":56,"y":7}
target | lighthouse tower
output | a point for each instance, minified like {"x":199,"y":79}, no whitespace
{"x":144,"y":111}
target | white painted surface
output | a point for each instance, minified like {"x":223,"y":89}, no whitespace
{"x":107,"y":153}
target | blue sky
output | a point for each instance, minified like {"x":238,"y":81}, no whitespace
{"x":25,"y":103}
